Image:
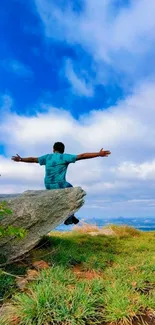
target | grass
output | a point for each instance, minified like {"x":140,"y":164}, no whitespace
{"x":125,"y":231}
{"x":7,"y":282}
{"x":55,"y":298}
{"x":91,"y":280}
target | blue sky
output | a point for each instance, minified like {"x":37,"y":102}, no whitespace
{"x":81,"y":72}
{"x":27,"y":55}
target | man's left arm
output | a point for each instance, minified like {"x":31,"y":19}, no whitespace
{"x":17,"y":158}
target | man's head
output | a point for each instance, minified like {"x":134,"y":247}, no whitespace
{"x":59,"y":147}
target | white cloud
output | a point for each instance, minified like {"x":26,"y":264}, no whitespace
{"x":143,"y":171}
{"x":79,"y":85}
{"x":18,"y":68}
{"x":121,"y":39}
{"x":126,"y":129}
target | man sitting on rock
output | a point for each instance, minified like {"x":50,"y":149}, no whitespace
{"x":56,"y":167}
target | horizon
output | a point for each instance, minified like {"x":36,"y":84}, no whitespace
{"x":90,"y":89}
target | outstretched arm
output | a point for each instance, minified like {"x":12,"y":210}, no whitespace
{"x":101,"y":153}
{"x":17,"y":158}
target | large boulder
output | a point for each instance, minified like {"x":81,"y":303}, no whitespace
{"x":38,"y":212}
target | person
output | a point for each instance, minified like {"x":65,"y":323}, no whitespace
{"x":56,"y":165}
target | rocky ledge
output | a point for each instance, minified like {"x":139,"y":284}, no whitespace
{"x":38,"y":212}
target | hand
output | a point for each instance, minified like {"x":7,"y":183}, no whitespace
{"x":16,"y":158}
{"x":104,"y":153}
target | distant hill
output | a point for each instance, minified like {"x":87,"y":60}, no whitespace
{"x":8,"y":196}
{"x":144,"y":224}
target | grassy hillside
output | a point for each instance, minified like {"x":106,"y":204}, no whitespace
{"x":87,"y":279}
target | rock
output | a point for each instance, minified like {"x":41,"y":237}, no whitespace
{"x":38,"y":212}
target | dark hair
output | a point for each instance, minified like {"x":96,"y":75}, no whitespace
{"x":59,"y":146}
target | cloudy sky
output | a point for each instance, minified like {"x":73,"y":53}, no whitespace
{"x":81,"y":72}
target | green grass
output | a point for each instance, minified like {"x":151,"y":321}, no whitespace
{"x":7,"y":282}
{"x":56,"y":298}
{"x":123,"y":284}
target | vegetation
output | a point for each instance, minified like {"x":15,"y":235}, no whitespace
{"x":10,"y":230}
{"x":7,"y":282}
{"x":90,"y":280}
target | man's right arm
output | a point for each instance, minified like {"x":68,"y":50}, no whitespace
{"x":17,"y":158}
{"x":101,"y":153}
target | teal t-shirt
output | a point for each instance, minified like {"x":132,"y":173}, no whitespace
{"x":56,"y":165}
